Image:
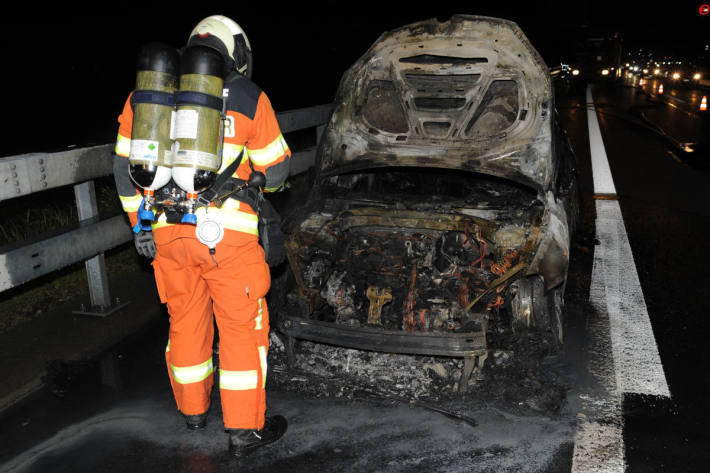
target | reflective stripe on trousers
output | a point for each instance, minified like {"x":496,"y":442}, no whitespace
{"x":192,"y":374}
{"x":243,"y":380}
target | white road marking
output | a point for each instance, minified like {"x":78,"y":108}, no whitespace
{"x":603,"y":182}
{"x":599,"y":441}
{"x":616,"y":291}
{"x":598,"y":447}
{"x":620,"y":310}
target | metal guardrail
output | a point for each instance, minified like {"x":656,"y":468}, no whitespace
{"x":87,"y":240}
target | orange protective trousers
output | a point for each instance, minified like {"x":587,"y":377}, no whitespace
{"x":232,"y":286}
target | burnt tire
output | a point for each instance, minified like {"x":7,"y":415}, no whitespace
{"x":553,"y":331}
{"x":548,"y":319}
{"x":540,"y":313}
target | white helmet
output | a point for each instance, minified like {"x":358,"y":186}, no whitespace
{"x":227,"y":37}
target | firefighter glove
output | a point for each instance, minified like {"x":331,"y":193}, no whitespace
{"x":145,"y":244}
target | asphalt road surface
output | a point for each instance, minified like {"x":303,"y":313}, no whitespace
{"x":607,"y":420}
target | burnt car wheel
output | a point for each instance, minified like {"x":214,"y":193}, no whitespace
{"x":539,"y":313}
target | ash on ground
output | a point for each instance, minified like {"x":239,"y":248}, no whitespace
{"x":519,"y":384}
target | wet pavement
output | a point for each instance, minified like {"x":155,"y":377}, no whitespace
{"x":135,"y":427}
{"x":112,"y":410}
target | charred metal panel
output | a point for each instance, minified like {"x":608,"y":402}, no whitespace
{"x":459,"y":344}
{"x":473,"y":86}
{"x":552,"y":256}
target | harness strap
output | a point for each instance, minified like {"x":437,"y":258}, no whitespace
{"x":198,"y":98}
{"x":152,"y":96}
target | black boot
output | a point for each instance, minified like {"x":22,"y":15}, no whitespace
{"x":244,"y":441}
{"x":196,"y":422}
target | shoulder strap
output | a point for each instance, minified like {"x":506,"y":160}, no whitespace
{"x":207,"y":196}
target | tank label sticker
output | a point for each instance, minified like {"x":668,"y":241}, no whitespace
{"x":144,"y":150}
{"x":198,"y":159}
{"x":186,"y":124}
{"x":173,"y":120}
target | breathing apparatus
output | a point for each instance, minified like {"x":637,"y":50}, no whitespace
{"x":178,"y":130}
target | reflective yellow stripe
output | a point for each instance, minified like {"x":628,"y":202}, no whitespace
{"x":257,"y":325}
{"x":262,"y":360}
{"x":123,"y":146}
{"x":240,"y":221}
{"x":229,"y":217}
{"x":132,"y":203}
{"x":238,"y":380}
{"x":269,"y":153}
{"x":161,"y":222}
{"x":167,"y":348}
{"x":273,"y":189}
{"x":192,"y":374}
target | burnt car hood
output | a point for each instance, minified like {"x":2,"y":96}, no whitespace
{"x":470,"y":93}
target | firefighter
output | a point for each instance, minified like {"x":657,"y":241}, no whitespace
{"x":228,"y":284}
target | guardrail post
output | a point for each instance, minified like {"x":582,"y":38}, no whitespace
{"x":99,"y":294}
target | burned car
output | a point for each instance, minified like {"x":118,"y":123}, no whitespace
{"x":443,"y":200}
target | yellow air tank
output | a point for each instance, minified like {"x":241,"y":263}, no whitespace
{"x":153,"y":105}
{"x":198,"y":121}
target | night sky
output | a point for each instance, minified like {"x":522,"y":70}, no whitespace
{"x":67,"y":72}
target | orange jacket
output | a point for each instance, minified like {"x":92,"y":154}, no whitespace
{"x":251,"y":125}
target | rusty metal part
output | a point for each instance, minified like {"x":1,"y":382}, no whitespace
{"x":509,"y":274}
{"x":499,"y":268}
{"x":463,"y":292}
{"x":497,"y":303}
{"x":408,"y":321}
{"x":378,"y":297}
{"x":423,"y":319}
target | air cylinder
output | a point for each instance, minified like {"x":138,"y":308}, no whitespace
{"x":153,"y":106}
{"x":198,"y":122}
